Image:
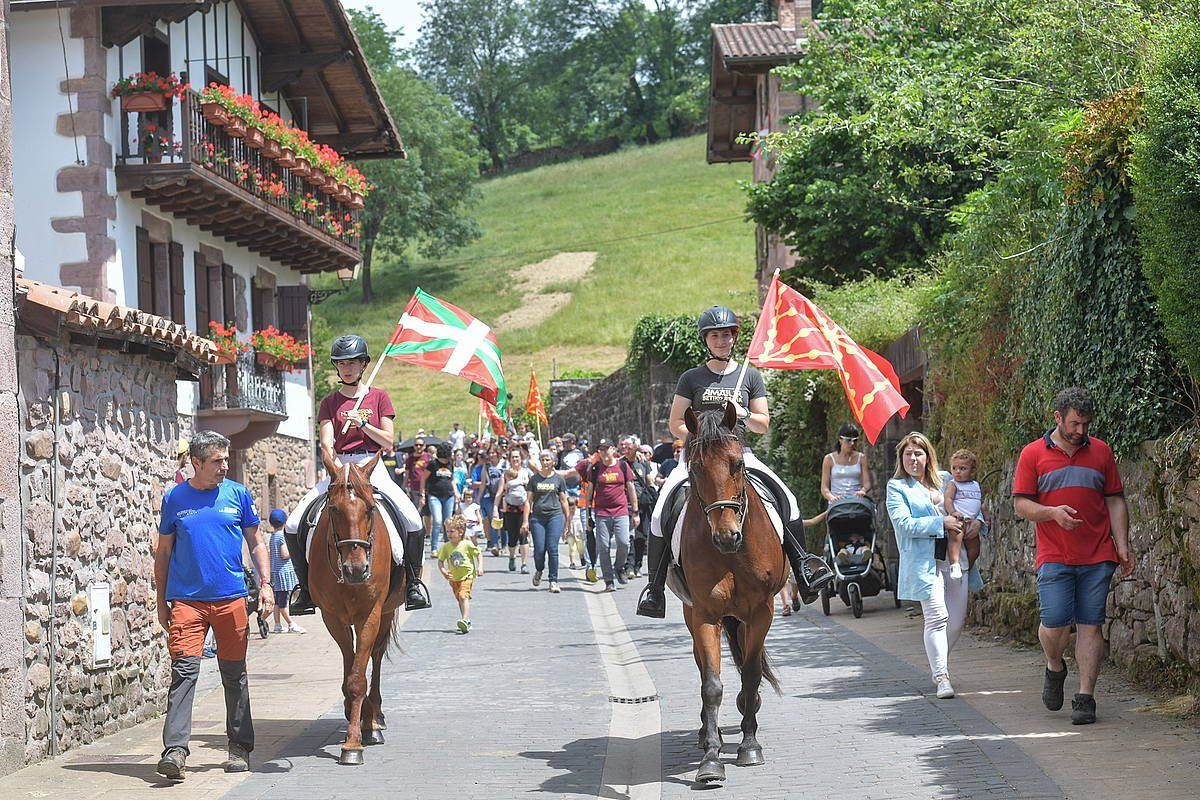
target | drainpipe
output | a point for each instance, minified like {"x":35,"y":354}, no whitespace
{"x":55,"y":520}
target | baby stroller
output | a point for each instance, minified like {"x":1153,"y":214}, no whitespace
{"x":252,"y":602}
{"x":851,"y":520}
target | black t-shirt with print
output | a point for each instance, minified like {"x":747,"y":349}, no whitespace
{"x":440,"y":482}
{"x":709,"y":391}
{"x":544,"y":494}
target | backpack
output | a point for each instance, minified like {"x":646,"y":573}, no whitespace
{"x":493,"y":482}
{"x":647,"y":495}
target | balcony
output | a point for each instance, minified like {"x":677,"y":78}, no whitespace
{"x":218,"y":183}
{"x":244,"y":401}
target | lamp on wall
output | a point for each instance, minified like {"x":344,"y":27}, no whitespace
{"x":345,"y":277}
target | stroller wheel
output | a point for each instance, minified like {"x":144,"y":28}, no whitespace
{"x":826,"y":594}
{"x":262,"y":627}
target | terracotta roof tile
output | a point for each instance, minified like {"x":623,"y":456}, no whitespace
{"x":89,"y":315}
{"x":755,"y":41}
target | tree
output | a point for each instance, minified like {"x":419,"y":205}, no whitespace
{"x":472,"y":51}
{"x":421,"y":201}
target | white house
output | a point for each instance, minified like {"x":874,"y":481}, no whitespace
{"x":167,"y":218}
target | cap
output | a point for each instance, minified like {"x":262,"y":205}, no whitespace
{"x":645,"y":449}
{"x":183,"y":446}
{"x":278,"y":517}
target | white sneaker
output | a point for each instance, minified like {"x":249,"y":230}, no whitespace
{"x":537,"y":577}
{"x":277,"y":629}
{"x":553,"y":587}
{"x":294,"y":628}
{"x":956,"y":572}
{"x":944,"y":690}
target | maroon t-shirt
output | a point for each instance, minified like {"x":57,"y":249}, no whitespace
{"x":609,"y":498}
{"x":415,"y":467}
{"x":337,"y":407}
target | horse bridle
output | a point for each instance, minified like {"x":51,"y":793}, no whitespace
{"x":338,"y":544}
{"x":739,"y":503}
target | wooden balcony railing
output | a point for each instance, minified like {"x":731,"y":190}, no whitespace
{"x":199,"y":172}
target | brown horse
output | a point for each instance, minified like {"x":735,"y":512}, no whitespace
{"x":734,"y":566}
{"x":352,"y":581}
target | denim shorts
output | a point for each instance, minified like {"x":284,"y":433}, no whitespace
{"x":1073,"y":595}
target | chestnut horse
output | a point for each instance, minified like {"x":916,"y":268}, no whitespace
{"x":350,"y":579}
{"x":734,"y":566}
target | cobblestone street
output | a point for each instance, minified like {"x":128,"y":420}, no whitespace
{"x":529,"y":703}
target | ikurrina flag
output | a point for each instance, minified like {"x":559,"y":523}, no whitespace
{"x":434,"y":334}
{"x":533,"y":403}
{"x":792,"y":333}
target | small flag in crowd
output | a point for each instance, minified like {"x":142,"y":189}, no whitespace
{"x":488,"y":410}
{"x":533,"y":403}
{"x":435,"y":334}
{"x":792,"y":333}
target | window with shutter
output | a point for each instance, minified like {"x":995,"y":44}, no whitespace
{"x":202,"y":313}
{"x":177,"y":291}
{"x":145,"y":271}
{"x":291,"y":303}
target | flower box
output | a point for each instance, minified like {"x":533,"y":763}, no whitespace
{"x":254,"y":138}
{"x":357,"y":200}
{"x":235,"y":127}
{"x":287,"y":158}
{"x":215,"y":113}
{"x":270,"y":149}
{"x":226,"y":358}
{"x":272,"y":361}
{"x":301,"y":168}
{"x":142,"y":102}
{"x":344,"y":194}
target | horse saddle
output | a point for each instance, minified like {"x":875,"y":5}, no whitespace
{"x":392,"y":520}
{"x":672,"y":520}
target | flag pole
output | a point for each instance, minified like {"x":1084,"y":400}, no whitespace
{"x":538,"y":421}
{"x":737,"y":388}
{"x":370,"y":383}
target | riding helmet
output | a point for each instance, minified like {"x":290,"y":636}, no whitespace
{"x":348,"y":348}
{"x":716,"y":318}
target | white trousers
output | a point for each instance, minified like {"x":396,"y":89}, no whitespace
{"x":379,"y":479}
{"x":945,"y":612}
{"x":679,"y":474}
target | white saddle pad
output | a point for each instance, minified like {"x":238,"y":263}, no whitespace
{"x":677,"y":532}
{"x":393,"y":536}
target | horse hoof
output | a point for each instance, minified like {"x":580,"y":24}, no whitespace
{"x":372,"y":737}
{"x":351,"y":758}
{"x":380,"y":723}
{"x":711,"y":771}
{"x":750,"y":757}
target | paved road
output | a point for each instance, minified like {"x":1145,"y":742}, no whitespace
{"x":528,"y":703}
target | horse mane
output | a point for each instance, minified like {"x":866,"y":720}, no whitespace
{"x":711,"y":436}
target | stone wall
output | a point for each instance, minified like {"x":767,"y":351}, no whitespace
{"x":275,"y":470}
{"x":12,"y":584}
{"x":612,"y":406}
{"x":564,"y":391}
{"x":1153,"y":618}
{"x":92,"y":482}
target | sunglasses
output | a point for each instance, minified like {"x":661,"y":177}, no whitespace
{"x":848,"y":438}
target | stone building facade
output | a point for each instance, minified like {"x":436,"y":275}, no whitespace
{"x":277,"y":471}
{"x":99,"y":431}
{"x":613,"y":406}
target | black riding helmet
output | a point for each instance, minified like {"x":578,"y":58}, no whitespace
{"x":348,"y":348}
{"x":713,"y":319}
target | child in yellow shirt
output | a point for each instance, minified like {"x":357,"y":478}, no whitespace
{"x":460,"y":562}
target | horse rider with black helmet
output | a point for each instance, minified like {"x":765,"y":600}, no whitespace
{"x":369,"y":431}
{"x":709,"y":387}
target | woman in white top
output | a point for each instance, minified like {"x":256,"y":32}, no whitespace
{"x":845,"y":472}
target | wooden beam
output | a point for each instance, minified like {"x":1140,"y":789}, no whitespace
{"x":285,"y":68}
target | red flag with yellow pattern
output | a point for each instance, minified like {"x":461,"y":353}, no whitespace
{"x":533,"y":403}
{"x":488,"y":410}
{"x":792,"y":333}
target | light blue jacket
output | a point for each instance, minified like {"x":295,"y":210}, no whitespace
{"x":917,"y":524}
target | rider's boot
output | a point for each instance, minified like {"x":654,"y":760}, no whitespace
{"x":303,"y":603}
{"x":653,"y":602}
{"x":416,"y":597}
{"x":811,"y":571}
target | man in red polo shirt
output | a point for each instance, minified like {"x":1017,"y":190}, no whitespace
{"x":1067,"y":483}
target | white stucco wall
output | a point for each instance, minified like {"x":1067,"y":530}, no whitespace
{"x":38,"y":151}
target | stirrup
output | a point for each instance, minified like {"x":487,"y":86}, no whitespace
{"x":652,"y":603}
{"x":303,"y":604}
{"x":416,"y":596}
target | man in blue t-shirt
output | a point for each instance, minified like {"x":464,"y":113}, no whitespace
{"x":201,"y":584}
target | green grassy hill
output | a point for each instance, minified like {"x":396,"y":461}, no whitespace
{"x":668,"y":235}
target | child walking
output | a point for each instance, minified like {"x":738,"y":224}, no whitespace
{"x":473,"y":514}
{"x":963,"y":499}
{"x":460,"y":562}
{"x":283,"y":574}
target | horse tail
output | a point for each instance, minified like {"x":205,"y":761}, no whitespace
{"x":393,"y":638}
{"x":732,"y":627}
